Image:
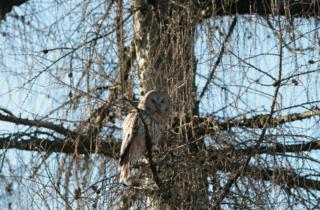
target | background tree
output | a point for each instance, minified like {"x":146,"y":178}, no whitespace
{"x":242,"y":75}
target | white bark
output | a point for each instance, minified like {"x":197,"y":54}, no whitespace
{"x":164,"y":42}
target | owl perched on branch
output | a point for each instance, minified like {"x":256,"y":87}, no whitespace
{"x":153,"y":113}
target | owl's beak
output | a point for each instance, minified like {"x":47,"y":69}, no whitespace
{"x":158,"y":111}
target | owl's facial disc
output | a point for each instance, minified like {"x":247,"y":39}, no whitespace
{"x":156,"y":104}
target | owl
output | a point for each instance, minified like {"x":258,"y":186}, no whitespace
{"x":154,"y":112}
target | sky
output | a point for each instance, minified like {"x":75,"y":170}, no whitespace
{"x":32,"y":87}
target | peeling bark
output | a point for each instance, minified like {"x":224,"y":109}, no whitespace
{"x":164,"y":41}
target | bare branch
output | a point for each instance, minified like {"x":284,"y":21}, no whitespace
{"x":38,"y":123}
{"x":222,"y":50}
{"x":260,"y":120}
{"x":111,"y":149}
{"x":281,"y":177}
{"x":280,"y":148}
{"x":278,"y":176}
{"x":34,"y":143}
{"x":207,"y":125}
{"x":100,"y":114}
{"x":261,"y":7}
{"x":203,"y":125}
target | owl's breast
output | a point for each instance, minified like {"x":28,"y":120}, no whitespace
{"x":156,"y":130}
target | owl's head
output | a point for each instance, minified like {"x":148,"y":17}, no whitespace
{"x":156,"y":103}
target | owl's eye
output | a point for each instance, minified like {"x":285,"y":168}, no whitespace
{"x":162,"y":100}
{"x":153,"y":101}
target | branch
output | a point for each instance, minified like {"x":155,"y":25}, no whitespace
{"x":278,"y":176}
{"x":262,"y":120}
{"x":56,"y":145}
{"x":281,"y":177}
{"x":302,"y":8}
{"x":101,"y":113}
{"x":278,"y":148}
{"x":111,"y":149}
{"x":202,"y":125}
{"x":222,"y":50}
{"x":38,"y":123}
{"x":205,"y":125}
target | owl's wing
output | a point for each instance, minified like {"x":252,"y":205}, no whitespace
{"x":130,"y":133}
{"x":130,"y":147}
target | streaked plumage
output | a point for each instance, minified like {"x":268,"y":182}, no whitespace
{"x":154,"y":112}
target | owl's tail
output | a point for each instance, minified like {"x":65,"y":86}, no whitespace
{"x":124,"y":170}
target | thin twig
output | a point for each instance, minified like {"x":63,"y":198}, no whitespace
{"x":222,"y":50}
{"x":243,"y":168}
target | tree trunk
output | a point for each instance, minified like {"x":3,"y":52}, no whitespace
{"x":164,"y":42}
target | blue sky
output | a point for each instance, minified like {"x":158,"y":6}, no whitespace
{"x":249,"y":91}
